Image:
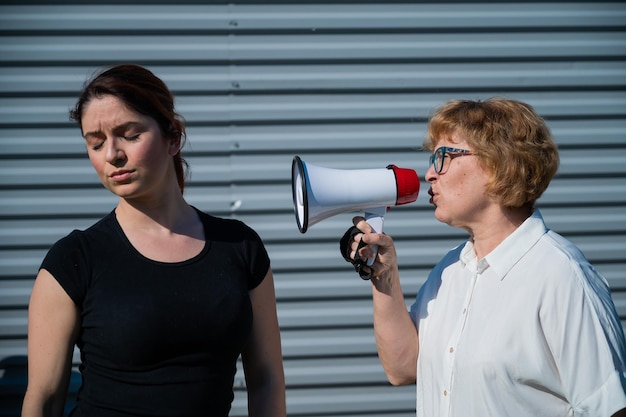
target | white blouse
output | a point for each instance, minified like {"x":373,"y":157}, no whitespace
{"x":530,"y":330}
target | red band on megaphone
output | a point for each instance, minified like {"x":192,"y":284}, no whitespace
{"x":407,"y":184}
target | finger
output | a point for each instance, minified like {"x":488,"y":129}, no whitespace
{"x":354,"y":242}
{"x":354,"y":247}
{"x":357,"y":219}
{"x":362,"y":225}
{"x":366,"y":253}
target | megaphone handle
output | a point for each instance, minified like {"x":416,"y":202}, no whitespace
{"x":375,"y":218}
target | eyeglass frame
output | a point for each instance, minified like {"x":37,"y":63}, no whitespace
{"x":446,"y":150}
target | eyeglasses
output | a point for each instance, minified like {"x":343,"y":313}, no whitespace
{"x":439,"y":156}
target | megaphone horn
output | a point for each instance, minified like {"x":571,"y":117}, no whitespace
{"x":319,"y":193}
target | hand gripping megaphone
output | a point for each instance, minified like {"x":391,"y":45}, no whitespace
{"x":319,"y":193}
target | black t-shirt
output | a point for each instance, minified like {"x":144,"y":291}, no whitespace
{"x":159,"y":339}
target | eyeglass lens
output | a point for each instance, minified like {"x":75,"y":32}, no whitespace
{"x":436,"y":159}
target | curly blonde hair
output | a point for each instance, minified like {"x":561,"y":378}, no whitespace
{"x":511,"y":141}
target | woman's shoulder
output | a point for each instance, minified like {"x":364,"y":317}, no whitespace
{"x":221,"y":227}
{"x":100,"y":230}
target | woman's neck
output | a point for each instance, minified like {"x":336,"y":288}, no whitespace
{"x":169,"y":212}
{"x":498,"y":227}
{"x":170,"y":232}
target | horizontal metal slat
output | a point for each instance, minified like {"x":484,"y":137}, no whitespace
{"x":316,"y":343}
{"x":357,"y":107}
{"x":39,"y":232}
{"x":68,"y":202}
{"x":341,"y":138}
{"x":258,"y":78}
{"x":588,"y":133}
{"x":426,"y":76}
{"x":13,"y":323}
{"x":322,"y":372}
{"x":593,"y":162}
{"x":585,"y":191}
{"x":325,"y":313}
{"x":314,"y":18}
{"x":341,"y":284}
{"x":585,"y":220}
{"x":124,"y":17}
{"x":325,"y":108}
{"x":20,"y":262}
{"x":341,"y":371}
{"x":343,"y":401}
{"x":289,"y":255}
{"x":305,"y":139}
{"x":340,"y":47}
{"x":15,"y":293}
{"x":13,"y":350}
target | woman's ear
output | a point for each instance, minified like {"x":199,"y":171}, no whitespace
{"x":175,"y":138}
{"x":175,"y":144}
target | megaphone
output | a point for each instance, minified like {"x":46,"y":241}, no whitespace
{"x":319,"y":192}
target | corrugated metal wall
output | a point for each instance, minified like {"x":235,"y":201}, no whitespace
{"x":343,"y":85}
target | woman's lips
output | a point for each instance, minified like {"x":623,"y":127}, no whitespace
{"x":119,"y":176}
{"x":432,"y":196}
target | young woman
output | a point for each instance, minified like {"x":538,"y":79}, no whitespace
{"x":515,"y":321}
{"x":160,"y":298}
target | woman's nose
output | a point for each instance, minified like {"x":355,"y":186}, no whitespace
{"x":113,"y":151}
{"x":430,"y":174}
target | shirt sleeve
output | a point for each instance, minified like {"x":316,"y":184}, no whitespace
{"x":259,"y":260}
{"x":586,"y":339}
{"x":67,"y":263}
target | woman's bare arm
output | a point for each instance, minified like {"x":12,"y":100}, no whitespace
{"x":396,"y":334}
{"x":52,"y":328}
{"x":262,"y":357}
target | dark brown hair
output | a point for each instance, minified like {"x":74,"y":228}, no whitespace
{"x":143,"y":92}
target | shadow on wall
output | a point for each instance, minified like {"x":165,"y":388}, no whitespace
{"x":13,"y":380}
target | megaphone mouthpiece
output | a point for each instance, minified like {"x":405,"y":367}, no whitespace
{"x":407,"y":185}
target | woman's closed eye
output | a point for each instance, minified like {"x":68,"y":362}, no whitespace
{"x":132,"y":137}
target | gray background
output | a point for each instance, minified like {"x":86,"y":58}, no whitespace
{"x":344,"y":85}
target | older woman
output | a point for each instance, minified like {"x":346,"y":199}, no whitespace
{"x":515,"y":321}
